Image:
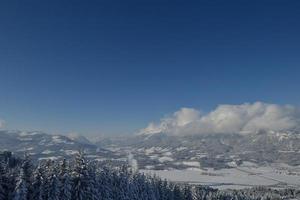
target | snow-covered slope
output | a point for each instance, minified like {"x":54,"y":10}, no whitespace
{"x":40,"y":145}
{"x":164,"y":151}
{"x":79,"y":138}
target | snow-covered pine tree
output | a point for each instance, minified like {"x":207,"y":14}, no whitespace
{"x":155,"y":186}
{"x":23,"y":186}
{"x":3,"y":181}
{"x":170,"y":187}
{"x":142,"y":188}
{"x":165,"y":190}
{"x":81,"y":188}
{"x":123,"y":183}
{"x":38,"y":184}
{"x":116,"y":190}
{"x":93,"y":193}
{"x":66,"y":188}
{"x":105,"y":186}
{"x":65,"y":180}
{"x":12,"y":174}
{"x":53,"y":185}
{"x":177,"y":193}
{"x":21,"y":190}
{"x":187,"y":193}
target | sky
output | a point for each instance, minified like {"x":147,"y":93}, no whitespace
{"x":111,"y":67}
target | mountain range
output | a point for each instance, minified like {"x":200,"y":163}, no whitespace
{"x":163,"y":151}
{"x":39,"y":145}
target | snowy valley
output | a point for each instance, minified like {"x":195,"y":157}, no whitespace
{"x":221,"y":161}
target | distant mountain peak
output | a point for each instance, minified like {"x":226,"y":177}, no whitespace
{"x":79,"y":138}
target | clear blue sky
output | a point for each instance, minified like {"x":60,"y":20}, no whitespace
{"x":113,"y":66}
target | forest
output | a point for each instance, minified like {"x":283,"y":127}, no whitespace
{"x":83,"y":179}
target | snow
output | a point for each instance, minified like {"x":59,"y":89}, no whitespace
{"x":24,"y":139}
{"x":194,"y":169}
{"x":153,"y":157}
{"x":167,"y":153}
{"x":70,"y":152}
{"x":50,"y":158}
{"x":154,"y":149}
{"x":165,"y":159}
{"x":48,"y":152}
{"x":113,"y":149}
{"x":181,"y":148}
{"x":290,"y":151}
{"x":23,"y":134}
{"x":191,"y":163}
{"x":100,"y":159}
{"x":165,"y":150}
{"x":42,"y":142}
{"x":149,"y":167}
{"x":248,"y":164}
{"x":92,"y":156}
{"x":233,"y":178}
{"x":232,"y":164}
{"x":120,"y":159}
{"x":56,"y":139}
{"x":141,"y":150}
{"x":149,"y":151}
{"x":201,"y":155}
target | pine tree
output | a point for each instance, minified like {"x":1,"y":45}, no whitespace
{"x":123,"y":183}
{"x":23,"y":186}
{"x":143,"y":188}
{"x":80,"y":179}
{"x":21,"y":190}
{"x":177,"y":193}
{"x":165,"y":190}
{"x":3,"y":182}
{"x":170,"y":191}
{"x":187,"y":193}
{"x":38,"y":184}
{"x":65,"y":180}
{"x":53,"y":183}
{"x":105,"y":184}
{"x":54,"y":187}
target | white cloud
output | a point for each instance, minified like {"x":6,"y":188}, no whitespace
{"x":244,"y":118}
{"x":181,"y":118}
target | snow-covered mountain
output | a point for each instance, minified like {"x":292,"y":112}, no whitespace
{"x":79,"y":138}
{"x":40,"y":145}
{"x":165,"y":151}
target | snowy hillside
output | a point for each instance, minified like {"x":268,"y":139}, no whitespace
{"x":162,"y":151}
{"x":42,"y":146}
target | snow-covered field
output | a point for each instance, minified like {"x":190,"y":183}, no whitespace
{"x":235,"y":178}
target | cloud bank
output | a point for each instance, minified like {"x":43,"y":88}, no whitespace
{"x":245,"y":118}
